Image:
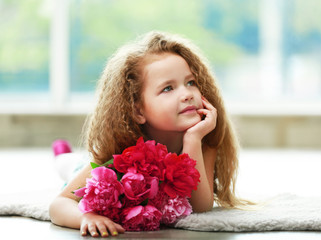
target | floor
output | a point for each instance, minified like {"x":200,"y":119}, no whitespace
{"x":24,"y":228}
{"x":262,"y":173}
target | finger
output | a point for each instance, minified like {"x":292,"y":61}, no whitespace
{"x":208,"y":105}
{"x":203,"y":112}
{"x":208,"y":115}
{"x":112,"y":229}
{"x":92,"y":230}
{"x":204,"y":98}
{"x":102,"y":229}
{"x":119,"y":228}
{"x":83,"y":230}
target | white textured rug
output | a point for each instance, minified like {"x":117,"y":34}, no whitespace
{"x":285,"y":212}
{"x":33,"y":204}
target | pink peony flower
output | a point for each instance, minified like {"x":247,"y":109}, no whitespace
{"x":138,"y":188}
{"x":171,"y":208}
{"x":174,"y":209}
{"x":141,"y":218}
{"x":101,"y":193}
{"x":181,"y":176}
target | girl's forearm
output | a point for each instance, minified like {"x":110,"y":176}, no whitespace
{"x":202,"y":199}
{"x":64,"y":212}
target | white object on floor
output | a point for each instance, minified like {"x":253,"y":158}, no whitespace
{"x":68,"y":164}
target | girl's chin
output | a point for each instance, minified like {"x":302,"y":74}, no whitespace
{"x":192,"y":122}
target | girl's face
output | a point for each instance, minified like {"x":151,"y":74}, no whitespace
{"x":170,"y":95}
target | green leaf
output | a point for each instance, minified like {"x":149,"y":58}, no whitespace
{"x":111,"y":161}
{"x":119,"y":176}
{"x":145,"y":202}
{"x":121,"y":196}
{"x":94,"y":165}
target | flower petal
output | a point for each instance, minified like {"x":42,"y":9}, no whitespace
{"x":134,"y":212}
{"x":80,"y":192}
{"x":84,"y":206}
{"x":153,"y":188}
{"x":103,"y":173}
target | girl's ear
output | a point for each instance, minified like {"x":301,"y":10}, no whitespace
{"x":139,"y":116}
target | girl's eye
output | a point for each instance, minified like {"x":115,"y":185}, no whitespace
{"x":191,"y":83}
{"x":167,"y":89}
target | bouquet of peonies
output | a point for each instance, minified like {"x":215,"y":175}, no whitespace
{"x":141,"y":188}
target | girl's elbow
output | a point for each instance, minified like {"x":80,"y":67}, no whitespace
{"x":204,"y":207}
{"x":53,"y":207}
{"x":57,"y":210}
{"x":52,"y":216}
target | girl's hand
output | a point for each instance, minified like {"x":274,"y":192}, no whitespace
{"x":202,"y":198}
{"x":99,"y":225}
{"x":208,"y":122}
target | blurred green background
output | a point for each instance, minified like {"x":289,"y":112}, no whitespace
{"x":228,"y":32}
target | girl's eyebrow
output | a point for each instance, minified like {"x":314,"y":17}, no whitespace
{"x":189,"y":76}
{"x":165,"y":83}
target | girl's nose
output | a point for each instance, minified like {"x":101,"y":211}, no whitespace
{"x":187,"y":95}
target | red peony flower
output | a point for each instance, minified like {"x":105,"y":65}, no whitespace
{"x":181,"y":176}
{"x":146,"y":158}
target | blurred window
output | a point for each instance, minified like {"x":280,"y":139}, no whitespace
{"x":267,"y":50}
{"x":24,"y":46}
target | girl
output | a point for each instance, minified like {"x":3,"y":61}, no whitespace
{"x":161,"y":88}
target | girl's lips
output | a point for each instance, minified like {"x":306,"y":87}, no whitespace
{"x":189,"y":109}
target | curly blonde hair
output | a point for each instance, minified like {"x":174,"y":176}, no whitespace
{"x":113,"y":127}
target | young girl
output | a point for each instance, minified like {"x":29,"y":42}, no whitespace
{"x":161,"y":88}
